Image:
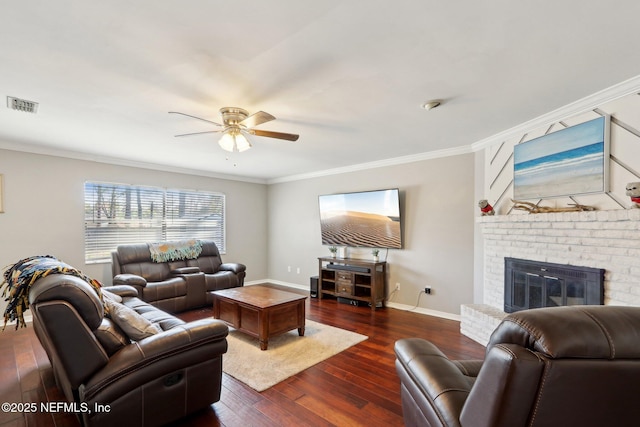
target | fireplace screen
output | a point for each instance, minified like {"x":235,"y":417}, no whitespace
{"x":533,"y":284}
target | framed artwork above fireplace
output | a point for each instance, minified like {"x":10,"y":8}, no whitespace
{"x":568,"y":162}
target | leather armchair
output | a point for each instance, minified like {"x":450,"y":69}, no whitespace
{"x":148,"y":382}
{"x":561,"y":366}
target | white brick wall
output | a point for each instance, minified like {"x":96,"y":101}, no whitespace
{"x":598,"y":239}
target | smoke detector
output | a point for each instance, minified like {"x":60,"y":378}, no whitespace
{"x":22,"y":105}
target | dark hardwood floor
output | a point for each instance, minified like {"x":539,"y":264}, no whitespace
{"x":354,"y":388}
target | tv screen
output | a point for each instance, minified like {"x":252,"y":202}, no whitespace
{"x":364,"y":219}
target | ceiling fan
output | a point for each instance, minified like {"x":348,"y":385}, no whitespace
{"x":236,"y":124}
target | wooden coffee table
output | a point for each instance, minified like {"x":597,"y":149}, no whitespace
{"x":260,"y":311}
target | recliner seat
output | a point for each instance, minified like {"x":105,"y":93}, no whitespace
{"x":561,"y":366}
{"x":148,"y":382}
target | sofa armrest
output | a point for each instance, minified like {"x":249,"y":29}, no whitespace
{"x":150,"y":358}
{"x":470,"y":368}
{"x":130,"y":279}
{"x":506,"y":388}
{"x":185,"y":270}
{"x":429,"y":376}
{"x":233,"y":266}
{"x":122,"y":290}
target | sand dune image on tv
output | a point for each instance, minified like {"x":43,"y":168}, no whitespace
{"x":360,"y":229}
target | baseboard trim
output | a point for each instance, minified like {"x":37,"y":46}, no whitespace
{"x":426,"y":311}
{"x":419,"y":310}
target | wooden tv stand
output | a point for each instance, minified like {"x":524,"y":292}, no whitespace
{"x":354,"y":279}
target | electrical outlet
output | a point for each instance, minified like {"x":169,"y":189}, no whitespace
{"x":397,"y":286}
{"x":427,"y":290}
{"x":289,"y":269}
{"x":298,"y":270}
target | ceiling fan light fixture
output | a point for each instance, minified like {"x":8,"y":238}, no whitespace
{"x":236,"y":125}
{"x":227,"y":142}
{"x":233,"y":140}
{"x":242,"y":143}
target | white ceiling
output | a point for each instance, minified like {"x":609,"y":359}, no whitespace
{"x":348,"y":76}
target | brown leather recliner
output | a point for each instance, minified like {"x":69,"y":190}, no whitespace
{"x":148,"y":382}
{"x":179,"y":285}
{"x":561,"y":366}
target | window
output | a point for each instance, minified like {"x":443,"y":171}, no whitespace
{"x":116,"y":214}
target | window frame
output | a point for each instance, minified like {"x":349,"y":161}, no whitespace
{"x":123,"y":228}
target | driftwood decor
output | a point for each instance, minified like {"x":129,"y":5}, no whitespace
{"x":533,"y":208}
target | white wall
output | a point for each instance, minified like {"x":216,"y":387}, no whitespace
{"x":604,"y":239}
{"x":44,"y":210}
{"x":438,"y":207}
{"x":624,"y":165}
{"x":495,"y":177}
{"x":269,"y":228}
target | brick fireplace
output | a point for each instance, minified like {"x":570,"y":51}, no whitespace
{"x":599,"y":239}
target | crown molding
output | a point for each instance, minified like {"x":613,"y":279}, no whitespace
{"x":587,"y":103}
{"x":590,"y":102}
{"x":376,"y":164}
{"x":74,"y":155}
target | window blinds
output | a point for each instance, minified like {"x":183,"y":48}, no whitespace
{"x":117,"y":214}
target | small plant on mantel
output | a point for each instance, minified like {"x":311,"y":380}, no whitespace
{"x":333,"y":250}
{"x":375,"y":253}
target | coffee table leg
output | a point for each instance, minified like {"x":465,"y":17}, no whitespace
{"x":301,"y":331}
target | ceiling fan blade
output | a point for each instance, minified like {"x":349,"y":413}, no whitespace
{"x":198,"y":133}
{"x":257,"y":119}
{"x":194,"y":117}
{"x":271,"y":134}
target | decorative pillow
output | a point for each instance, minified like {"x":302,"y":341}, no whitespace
{"x":133,"y":324}
{"x":110,"y":295}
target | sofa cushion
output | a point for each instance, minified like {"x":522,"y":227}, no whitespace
{"x":110,"y":295}
{"x":134,"y":325}
{"x":209,"y":260}
{"x":159,"y":317}
{"x":171,"y":288}
{"x":111,"y":336}
{"x":221,"y":280}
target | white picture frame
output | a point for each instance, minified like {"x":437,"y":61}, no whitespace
{"x":567,"y":162}
{"x":1,"y":193}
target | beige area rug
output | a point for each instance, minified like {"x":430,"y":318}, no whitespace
{"x":286,"y":355}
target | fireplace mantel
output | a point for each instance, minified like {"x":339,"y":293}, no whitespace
{"x":598,"y":239}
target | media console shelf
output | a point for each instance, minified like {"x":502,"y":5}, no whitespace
{"x":354,"y":279}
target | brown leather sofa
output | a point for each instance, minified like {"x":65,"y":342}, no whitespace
{"x":175,"y":286}
{"x":561,"y":366}
{"x":149,"y":382}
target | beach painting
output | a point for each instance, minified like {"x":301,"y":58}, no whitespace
{"x":568,"y":162}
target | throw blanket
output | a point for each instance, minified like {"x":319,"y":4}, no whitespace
{"x":19,"y":277}
{"x":173,"y":251}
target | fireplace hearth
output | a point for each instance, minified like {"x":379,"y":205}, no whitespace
{"x":535,"y":284}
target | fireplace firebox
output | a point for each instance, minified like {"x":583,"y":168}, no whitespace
{"x":534,"y":284}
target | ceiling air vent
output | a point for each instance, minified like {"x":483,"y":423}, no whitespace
{"x":22,"y":105}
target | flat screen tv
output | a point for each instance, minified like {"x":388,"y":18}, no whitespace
{"x":369,"y":219}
